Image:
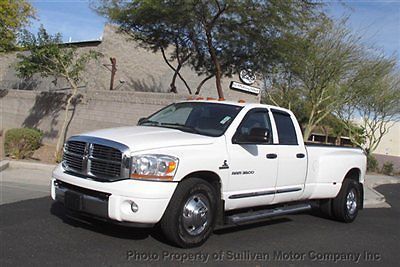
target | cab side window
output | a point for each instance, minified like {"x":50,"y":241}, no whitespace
{"x":255,"y":118}
{"x":284,"y":125}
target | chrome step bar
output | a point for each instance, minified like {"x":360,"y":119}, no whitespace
{"x":246,"y":217}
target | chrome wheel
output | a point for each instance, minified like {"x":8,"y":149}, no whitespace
{"x":351,"y":202}
{"x":195,"y":214}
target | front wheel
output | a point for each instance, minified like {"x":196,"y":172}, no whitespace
{"x":190,"y":216}
{"x":346,"y":204}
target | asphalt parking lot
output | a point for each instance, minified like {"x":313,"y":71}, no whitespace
{"x":18,"y":184}
{"x":37,"y":232}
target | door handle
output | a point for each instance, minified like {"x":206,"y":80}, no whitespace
{"x":300,"y":155}
{"x":272,"y":156}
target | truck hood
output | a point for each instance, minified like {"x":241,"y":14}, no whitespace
{"x":139,"y":138}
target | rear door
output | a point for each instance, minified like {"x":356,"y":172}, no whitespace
{"x":292,"y":157}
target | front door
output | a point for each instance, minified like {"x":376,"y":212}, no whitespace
{"x":253,"y":167}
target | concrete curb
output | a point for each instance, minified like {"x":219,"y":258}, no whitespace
{"x":377,"y":200}
{"x":379,"y":195}
{"x":4,"y":164}
{"x":15,"y":164}
{"x":374,"y":199}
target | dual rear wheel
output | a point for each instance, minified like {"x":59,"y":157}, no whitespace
{"x":344,"y":207}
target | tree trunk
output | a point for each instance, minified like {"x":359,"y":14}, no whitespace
{"x":172,"y":85}
{"x":214,"y":58}
{"x":175,"y":72}
{"x":61,"y":136}
{"x":202,"y":83}
{"x":326,"y":134}
{"x":310,"y":125}
{"x":218,"y":82}
{"x":307,"y":132}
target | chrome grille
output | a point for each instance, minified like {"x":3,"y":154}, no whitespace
{"x":96,"y":157}
{"x":105,"y":152}
{"x":105,"y":168}
{"x":76,"y":147}
{"x":74,"y":162}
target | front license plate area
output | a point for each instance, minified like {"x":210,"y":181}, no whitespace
{"x":73,"y":200}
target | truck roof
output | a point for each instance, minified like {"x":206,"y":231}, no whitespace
{"x":239,"y":103}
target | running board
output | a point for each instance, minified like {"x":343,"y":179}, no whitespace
{"x":267,"y":213}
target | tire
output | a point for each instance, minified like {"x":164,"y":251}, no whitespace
{"x":191,"y":214}
{"x":347,"y":203}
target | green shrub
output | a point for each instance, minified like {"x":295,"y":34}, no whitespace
{"x":20,"y":143}
{"x":387,"y":168}
{"x":372,"y":163}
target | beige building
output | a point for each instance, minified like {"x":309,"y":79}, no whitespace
{"x":388,"y":149}
{"x":390,"y":143}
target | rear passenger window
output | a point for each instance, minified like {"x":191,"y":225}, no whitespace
{"x":284,"y":124}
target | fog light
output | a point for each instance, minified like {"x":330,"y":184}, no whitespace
{"x":134,"y":207}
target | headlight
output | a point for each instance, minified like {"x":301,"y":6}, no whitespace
{"x":154,"y":167}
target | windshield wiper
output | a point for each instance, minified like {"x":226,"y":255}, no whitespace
{"x":150,"y":122}
{"x":182,"y":127}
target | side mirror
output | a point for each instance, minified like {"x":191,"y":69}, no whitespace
{"x":259,"y":135}
{"x":256,"y":136}
{"x":141,"y":120}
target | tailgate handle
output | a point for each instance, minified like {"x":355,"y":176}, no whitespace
{"x":272,"y":156}
{"x":300,"y":155}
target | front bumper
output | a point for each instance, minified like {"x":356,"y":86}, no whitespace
{"x":112,"y":200}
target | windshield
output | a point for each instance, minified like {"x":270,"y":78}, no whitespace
{"x":210,"y":119}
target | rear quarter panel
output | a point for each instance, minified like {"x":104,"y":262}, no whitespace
{"x":327,"y":168}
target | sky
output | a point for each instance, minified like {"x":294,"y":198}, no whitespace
{"x":378,"y":21}
{"x":72,"y":18}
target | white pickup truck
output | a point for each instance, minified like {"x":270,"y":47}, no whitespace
{"x":196,"y":165}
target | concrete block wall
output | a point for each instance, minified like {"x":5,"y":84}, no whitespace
{"x":96,"y":110}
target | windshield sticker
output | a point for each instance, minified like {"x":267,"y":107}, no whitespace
{"x":225,"y":120}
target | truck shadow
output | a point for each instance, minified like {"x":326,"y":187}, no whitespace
{"x":131,"y":233}
{"x":102,"y":227}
